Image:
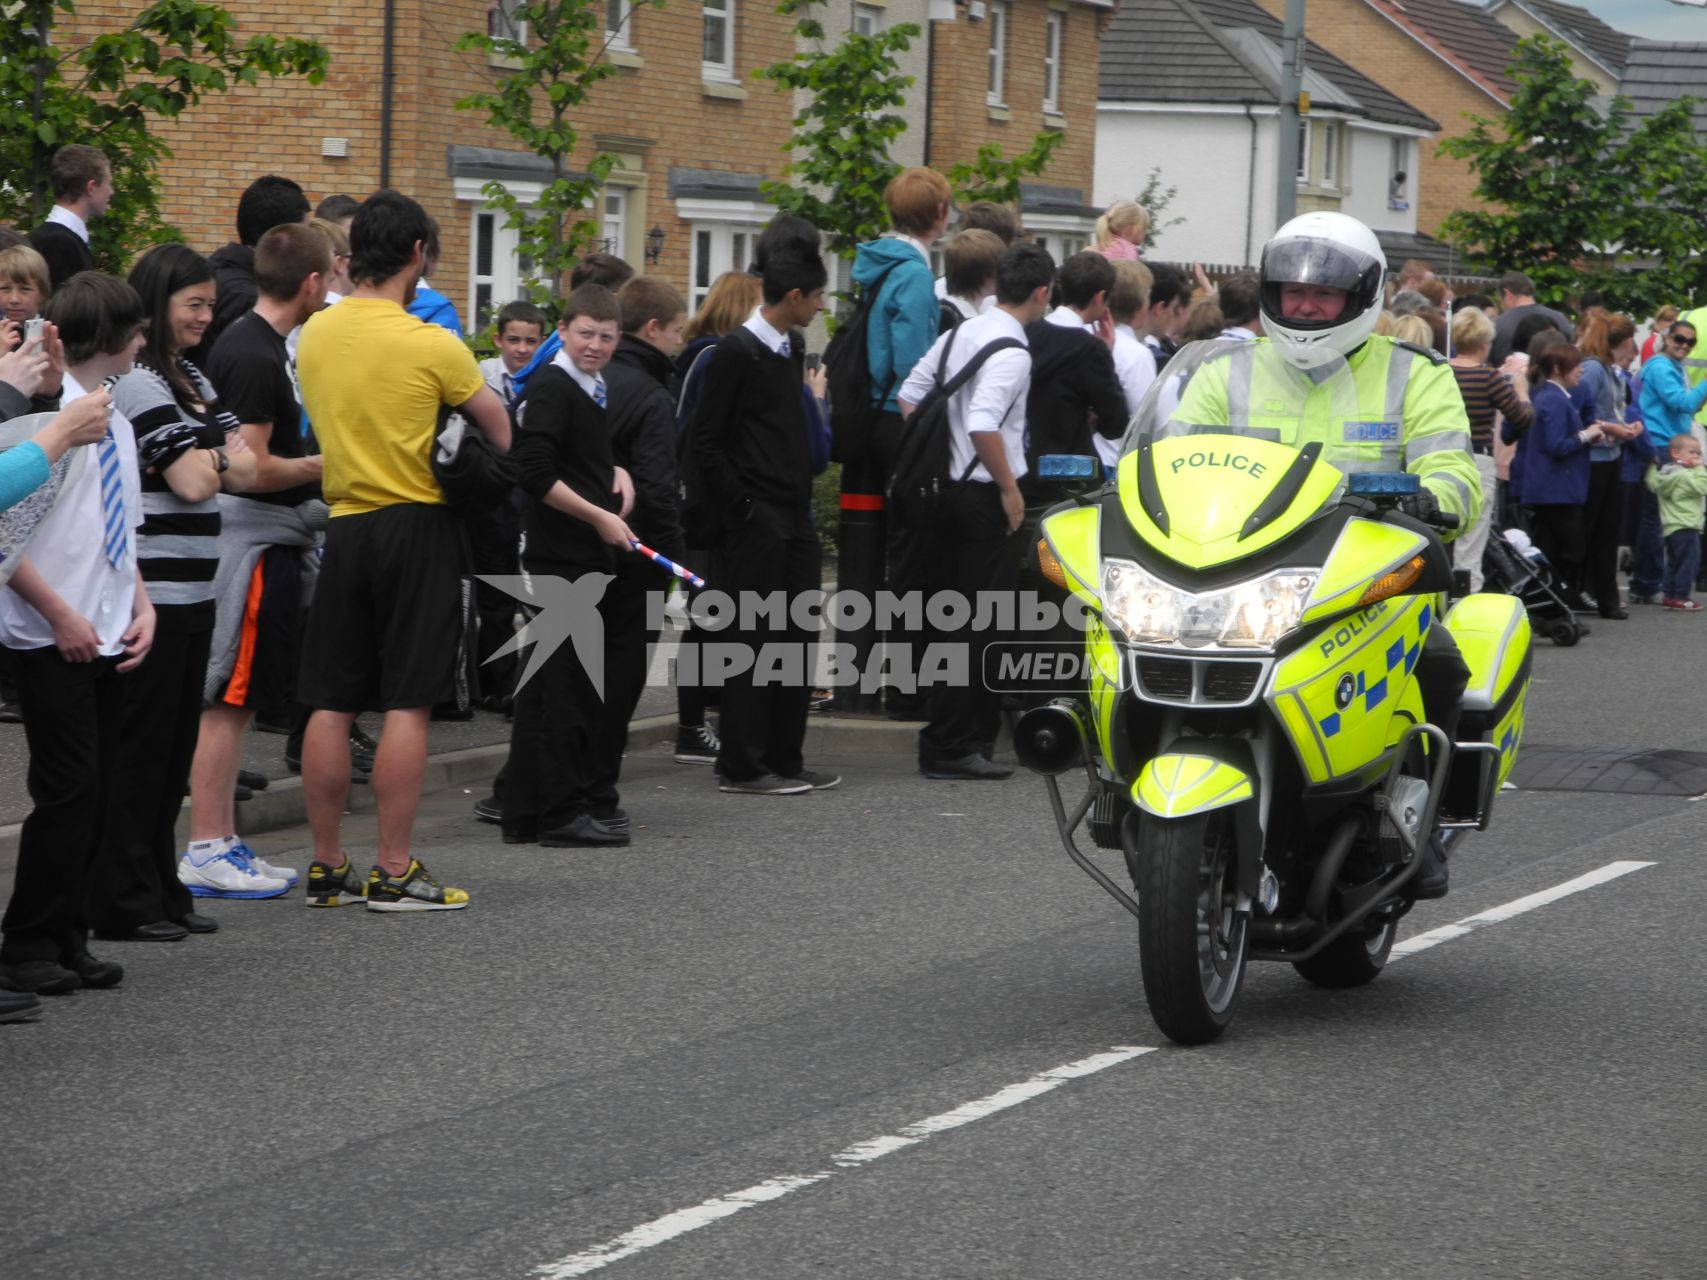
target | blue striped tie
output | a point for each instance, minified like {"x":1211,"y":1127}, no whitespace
{"x":112,"y":500}
{"x":599,"y":392}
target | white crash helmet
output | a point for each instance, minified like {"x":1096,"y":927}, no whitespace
{"x":1324,"y":249}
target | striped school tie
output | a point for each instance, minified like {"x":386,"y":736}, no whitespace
{"x":599,"y":392}
{"x":112,"y":501}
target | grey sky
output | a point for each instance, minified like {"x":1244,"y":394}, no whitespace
{"x":1651,"y":19}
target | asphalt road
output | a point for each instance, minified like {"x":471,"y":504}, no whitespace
{"x":646,"y":1058}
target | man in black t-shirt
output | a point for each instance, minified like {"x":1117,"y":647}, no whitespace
{"x":267,"y":535}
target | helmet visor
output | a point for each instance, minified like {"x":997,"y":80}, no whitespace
{"x":1306,"y":260}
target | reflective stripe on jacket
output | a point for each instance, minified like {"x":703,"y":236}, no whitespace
{"x":1409,"y":416}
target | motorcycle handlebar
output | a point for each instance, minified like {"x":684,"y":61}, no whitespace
{"x":1444,"y":520}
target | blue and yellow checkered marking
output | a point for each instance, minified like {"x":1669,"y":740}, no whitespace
{"x":1398,"y":655}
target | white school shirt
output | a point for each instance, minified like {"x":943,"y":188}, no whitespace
{"x":762,"y":329}
{"x":69,"y":554}
{"x":965,"y":308}
{"x":72,"y":221}
{"x":591,"y":383}
{"x":993,"y":401}
{"x":1135,"y":364}
{"x":499,"y":379}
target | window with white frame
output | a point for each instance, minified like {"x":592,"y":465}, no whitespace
{"x":998,"y":21}
{"x":718,"y":247}
{"x":502,"y":22}
{"x":614,"y":227}
{"x":1062,"y":245}
{"x":1398,"y":175}
{"x":1331,"y":154}
{"x":1303,"y":152}
{"x":497,"y":273}
{"x":717,"y":57}
{"x":867,"y":19}
{"x":1054,"y":28}
{"x":618,"y":18}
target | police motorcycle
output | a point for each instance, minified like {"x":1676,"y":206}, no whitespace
{"x":1250,"y":730}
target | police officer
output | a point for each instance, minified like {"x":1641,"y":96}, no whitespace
{"x":1321,"y":295}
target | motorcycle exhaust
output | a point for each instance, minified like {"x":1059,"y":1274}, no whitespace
{"x":1051,"y":739}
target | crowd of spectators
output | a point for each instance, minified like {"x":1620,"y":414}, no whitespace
{"x":231,"y":521}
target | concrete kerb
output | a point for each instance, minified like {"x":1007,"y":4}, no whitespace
{"x":282,"y":805}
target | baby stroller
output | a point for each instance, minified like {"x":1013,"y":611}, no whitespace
{"x":1513,"y":564}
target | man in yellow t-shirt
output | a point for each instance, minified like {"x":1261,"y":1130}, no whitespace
{"x":384,"y":630}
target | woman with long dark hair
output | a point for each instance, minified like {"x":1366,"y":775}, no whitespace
{"x":188,"y":450}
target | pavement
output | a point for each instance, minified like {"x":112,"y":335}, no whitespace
{"x":461,"y":751}
{"x":889,"y":1031}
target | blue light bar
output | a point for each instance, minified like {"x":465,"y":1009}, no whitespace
{"x":1068,"y":466}
{"x":1383,"y":484}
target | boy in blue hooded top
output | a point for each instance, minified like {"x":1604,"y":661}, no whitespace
{"x":896,"y":270}
{"x":904,"y":323}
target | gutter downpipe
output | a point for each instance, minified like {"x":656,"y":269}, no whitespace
{"x":930,"y":81}
{"x":386,"y":78}
{"x":1250,"y":185}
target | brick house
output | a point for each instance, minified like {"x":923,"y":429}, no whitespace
{"x":1446,"y":58}
{"x":1190,"y":88}
{"x":693,"y":132}
{"x":1598,"y":52}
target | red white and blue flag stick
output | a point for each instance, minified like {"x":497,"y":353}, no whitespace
{"x":663,"y":562}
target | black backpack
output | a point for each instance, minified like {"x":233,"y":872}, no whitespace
{"x":854,"y":404}
{"x":920,"y":480}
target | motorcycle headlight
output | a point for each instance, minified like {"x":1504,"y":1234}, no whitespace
{"x":1250,"y":615}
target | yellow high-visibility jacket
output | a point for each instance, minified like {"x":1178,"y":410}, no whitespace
{"x":1408,"y":415}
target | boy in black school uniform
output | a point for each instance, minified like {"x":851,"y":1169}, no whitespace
{"x":642,"y":418}
{"x":572,"y":526}
{"x":752,"y":467}
{"x":1074,"y":388}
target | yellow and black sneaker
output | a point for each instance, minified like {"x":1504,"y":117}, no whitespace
{"x":414,"y":890}
{"x":335,"y":886}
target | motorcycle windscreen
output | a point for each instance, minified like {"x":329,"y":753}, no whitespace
{"x":1215,"y":466}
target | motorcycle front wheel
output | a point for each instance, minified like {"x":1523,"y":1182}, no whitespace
{"x":1192,"y":938}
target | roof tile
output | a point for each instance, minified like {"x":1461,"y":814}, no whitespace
{"x":1466,"y":34}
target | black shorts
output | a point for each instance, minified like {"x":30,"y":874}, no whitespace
{"x":385,"y":630}
{"x":269,"y":637}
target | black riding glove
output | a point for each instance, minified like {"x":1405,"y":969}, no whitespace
{"x":1421,"y":505}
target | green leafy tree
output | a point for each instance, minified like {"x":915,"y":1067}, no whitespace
{"x":1579,"y":197}
{"x":551,"y":73}
{"x":1660,"y":235}
{"x":842,"y":134}
{"x":1543,"y":168}
{"x":110,"y":92}
{"x":991,"y":176}
{"x":840,"y":145}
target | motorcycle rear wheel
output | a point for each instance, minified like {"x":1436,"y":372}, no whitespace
{"x":1193,"y":942}
{"x":1352,"y":959}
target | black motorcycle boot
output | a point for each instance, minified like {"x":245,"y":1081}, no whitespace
{"x":1430,"y":879}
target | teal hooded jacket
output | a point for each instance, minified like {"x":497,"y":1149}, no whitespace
{"x":903,"y":322}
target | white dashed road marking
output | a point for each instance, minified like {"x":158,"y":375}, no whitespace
{"x":672,"y":1225}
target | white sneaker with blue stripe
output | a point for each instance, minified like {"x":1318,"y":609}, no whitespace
{"x":266,"y":868}
{"x":229,"y":874}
